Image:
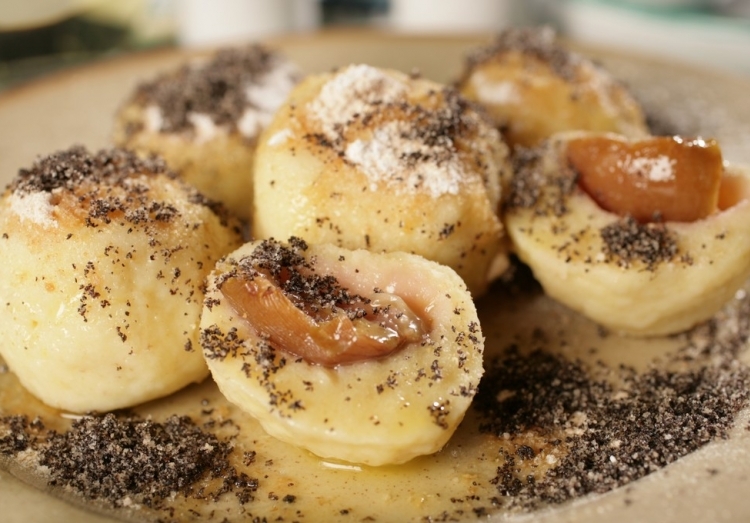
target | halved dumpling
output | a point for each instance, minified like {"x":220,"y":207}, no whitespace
{"x":367,"y":158}
{"x":355,"y":356}
{"x":533,"y":87}
{"x":636,"y":276}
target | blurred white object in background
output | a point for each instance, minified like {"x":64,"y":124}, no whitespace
{"x":682,"y":32}
{"x":452,"y":16}
{"x":216,"y":22}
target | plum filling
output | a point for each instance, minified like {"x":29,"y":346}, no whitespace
{"x":655,"y":179}
{"x":313,"y":317}
{"x":734,"y":188}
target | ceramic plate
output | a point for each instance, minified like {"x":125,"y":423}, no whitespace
{"x":460,"y":483}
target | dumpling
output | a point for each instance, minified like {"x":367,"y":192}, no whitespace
{"x":358,"y":356}
{"x":533,"y":87}
{"x":104,"y":259}
{"x":205,"y":117}
{"x":646,"y":237}
{"x":376,"y":159}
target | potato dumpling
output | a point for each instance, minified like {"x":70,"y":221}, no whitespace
{"x":205,"y":117}
{"x":104,"y":258}
{"x":533,"y":87}
{"x":358,"y":356}
{"x":375,"y":159}
{"x":636,"y":276}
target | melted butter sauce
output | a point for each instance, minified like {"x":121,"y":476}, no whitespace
{"x":457,"y":484}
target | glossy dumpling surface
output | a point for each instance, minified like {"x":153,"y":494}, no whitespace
{"x":360,"y":403}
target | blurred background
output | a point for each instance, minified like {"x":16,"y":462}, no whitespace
{"x":40,"y":36}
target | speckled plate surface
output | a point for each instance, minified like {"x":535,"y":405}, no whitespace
{"x":708,"y":485}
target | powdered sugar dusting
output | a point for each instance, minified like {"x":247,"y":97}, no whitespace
{"x":488,"y":91}
{"x":205,"y":127}
{"x":367,"y":116}
{"x":352,"y":92}
{"x":153,"y":118}
{"x":34,"y":207}
{"x":657,"y":169}
{"x":280,"y":137}
{"x":265,"y":95}
{"x":383,"y":155}
{"x":269,"y":90}
{"x":252,"y":122}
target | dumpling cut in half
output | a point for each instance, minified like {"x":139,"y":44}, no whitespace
{"x":646,"y":237}
{"x":364,"y":357}
{"x":104,"y":259}
{"x":204,"y":119}
{"x":534,"y":87}
{"x":366,"y":158}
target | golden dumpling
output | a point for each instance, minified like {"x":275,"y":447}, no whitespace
{"x":376,"y":159}
{"x":104,"y":257}
{"x":204,"y":119}
{"x":534,"y":87}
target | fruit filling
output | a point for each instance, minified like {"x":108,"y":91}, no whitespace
{"x":655,"y":179}
{"x":277,"y":291}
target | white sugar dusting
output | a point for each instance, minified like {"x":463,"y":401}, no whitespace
{"x":381,"y":160}
{"x":658,"y":169}
{"x":252,"y":122}
{"x":266,"y":94}
{"x":34,"y":207}
{"x":393,"y":154}
{"x":351,"y":92}
{"x":280,"y":137}
{"x":500,"y":93}
{"x":270,"y":90}
{"x":153,"y":118}
{"x":205,"y":128}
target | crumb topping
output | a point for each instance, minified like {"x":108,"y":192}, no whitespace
{"x":108,"y":184}
{"x":366,"y":116}
{"x":627,"y":241}
{"x":21,"y":434}
{"x":532,"y":188}
{"x":126,"y":460}
{"x":238,"y":87}
{"x":220,"y":345}
{"x":610,"y":432}
{"x":266,"y":362}
{"x":67,"y":170}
